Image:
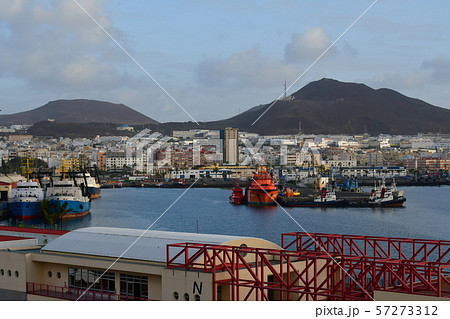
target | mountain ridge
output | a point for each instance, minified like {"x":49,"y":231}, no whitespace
{"x":79,"y":111}
{"x":326,"y":106}
{"x":329,"y":106}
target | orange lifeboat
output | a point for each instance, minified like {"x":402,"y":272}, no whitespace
{"x":262,"y":191}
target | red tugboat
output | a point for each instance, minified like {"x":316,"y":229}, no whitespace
{"x":262,"y":191}
{"x":237,"y":196}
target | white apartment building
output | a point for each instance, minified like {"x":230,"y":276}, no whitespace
{"x":378,"y":172}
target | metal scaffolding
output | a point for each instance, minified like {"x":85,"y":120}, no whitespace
{"x":415,"y":266}
{"x":320,"y":267}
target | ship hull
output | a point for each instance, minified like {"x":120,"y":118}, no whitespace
{"x":78,"y":208}
{"x":112,"y":185}
{"x":391,"y":203}
{"x":24,"y":210}
{"x":337,"y":203}
{"x":261,"y":197}
{"x":236,"y":200}
{"x":94,"y":192}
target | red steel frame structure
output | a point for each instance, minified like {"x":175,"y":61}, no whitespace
{"x":370,"y":246}
{"x":321,"y":267}
{"x":415,"y":266}
{"x":249,"y":279}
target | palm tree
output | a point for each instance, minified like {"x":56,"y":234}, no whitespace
{"x":45,"y":210}
{"x":60,"y":211}
{"x":53,"y":212}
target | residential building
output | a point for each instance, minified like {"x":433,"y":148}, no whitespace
{"x":230,"y":145}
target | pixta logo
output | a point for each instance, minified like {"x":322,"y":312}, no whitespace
{"x":141,"y":151}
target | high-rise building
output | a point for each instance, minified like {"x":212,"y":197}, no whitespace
{"x":229,"y":137}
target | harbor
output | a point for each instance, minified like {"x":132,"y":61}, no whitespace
{"x":60,"y":194}
{"x":424,"y":214}
{"x":323,"y":192}
{"x":167,"y":261}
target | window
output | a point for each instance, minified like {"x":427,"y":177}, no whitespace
{"x":219,"y":293}
{"x":134,"y":286}
{"x":243,"y":254}
{"x":271,"y":292}
{"x":84,"y":278}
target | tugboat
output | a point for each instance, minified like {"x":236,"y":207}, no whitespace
{"x":262,"y":190}
{"x":237,"y":196}
{"x":328,"y":198}
{"x":24,"y":200}
{"x":382,"y":196}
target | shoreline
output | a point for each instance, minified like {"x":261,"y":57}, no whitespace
{"x":230,"y":184}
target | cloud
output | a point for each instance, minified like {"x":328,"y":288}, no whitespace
{"x":11,"y":9}
{"x":54,"y":45}
{"x":439,"y":68}
{"x":348,"y":49}
{"x":428,"y":81}
{"x":307,"y":45}
{"x":245,"y":68}
{"x":401,"y":81}
{"x":435,"y":71}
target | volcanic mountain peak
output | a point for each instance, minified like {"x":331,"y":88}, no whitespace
{"x":79,"y":111}
{"x":329,"y":106}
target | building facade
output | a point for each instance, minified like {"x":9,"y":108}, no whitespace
{"x":230,"y":138}
{"x":103,"y":263}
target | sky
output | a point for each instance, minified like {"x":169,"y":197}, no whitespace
{"x":209,"y":60}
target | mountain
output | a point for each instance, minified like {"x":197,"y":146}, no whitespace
{"x":322,"y":107}
{"x":79,"y":111}
{"x":331,"y":107}
{"x":87,"y":130}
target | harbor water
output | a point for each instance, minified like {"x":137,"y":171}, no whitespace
{"x":426,"y":215}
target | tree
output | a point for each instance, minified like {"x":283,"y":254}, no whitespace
{"x":53,"y":212}
{"x":45,"y":210}
{"x":60,"y":211}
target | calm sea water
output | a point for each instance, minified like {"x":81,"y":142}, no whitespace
{"x":426,"y":214}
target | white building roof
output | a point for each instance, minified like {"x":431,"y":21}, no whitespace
{"x":130,"y":243}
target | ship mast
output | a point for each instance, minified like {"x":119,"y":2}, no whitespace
{"x":26,"y":169}
{"x":64,"y":170}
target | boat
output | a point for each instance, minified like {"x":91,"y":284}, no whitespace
{"x":68,"y":191}
{"x":76,"y":197}
{"x":24,"y":199}
{"x":382,"y":196}
{"x":93,"y":187}
{"x":237,"y":196}
{"x":262,"y":190}
{"x":350,"y":185}
{"x":112,"y":184}
{"x":325,"y":199}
